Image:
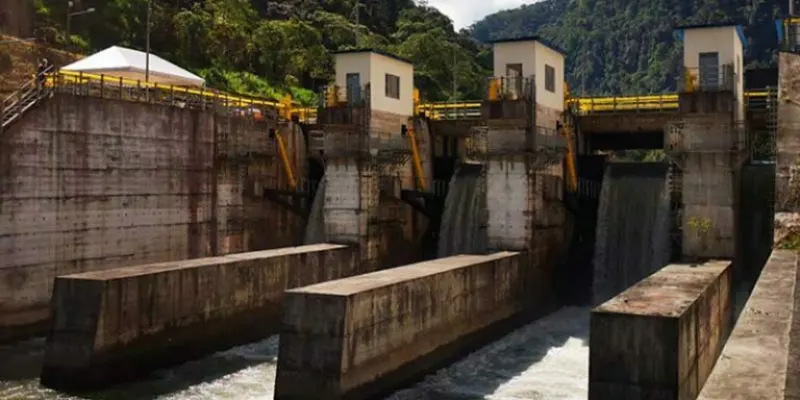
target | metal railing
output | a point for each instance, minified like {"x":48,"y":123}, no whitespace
{"x":26,"y":97}
{"x":756,"y":100}
{"x":614,"y":104}
{"x":335,"y":96}
{"x":118,"y":88}
{"x":511,"y":88}
{"x":585,"y":105}
{"x":450,"y":110}
{"x":719,"y":79}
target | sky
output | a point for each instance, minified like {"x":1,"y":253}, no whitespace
{"x":465,"y":12}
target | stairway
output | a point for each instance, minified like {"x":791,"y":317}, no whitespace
{"x":25,"y":98}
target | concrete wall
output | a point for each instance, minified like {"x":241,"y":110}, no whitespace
{"x":373,"y":67}
{"x":547,"y":56}
{"x":712,"y":156}
{"x":710,"y":205}
{"x":533,"y":55}
{"x":90,"y":184}
{"x":381,"y":65}
{"x":387,"y":124}
{"x":510,"y":199}
{"x":363,"y":336}
{"x":758,"y":358}
{"x":351,"y":63}
{"x":788,"y":140}
{"x":724,"y":40}
{"x":661,"y":337}
{"x":113,"y":324}
{"x":514,"y":53}
{"x":547,"y":117}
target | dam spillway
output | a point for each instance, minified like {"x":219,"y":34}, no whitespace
{"x":463,"y":228}
{"x":218,"y":198}
{"x":633,"y":222}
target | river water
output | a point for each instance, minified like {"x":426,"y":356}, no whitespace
{"x":547,"y":359}
{"x":544,"y":360}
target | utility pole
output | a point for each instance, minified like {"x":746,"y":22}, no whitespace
{"x":147,"y":45}
{"x":356,"y":9}
{"x":455,"y":67}
{"x":71,"y":14}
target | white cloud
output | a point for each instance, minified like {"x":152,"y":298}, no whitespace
{"x":466,"y":12}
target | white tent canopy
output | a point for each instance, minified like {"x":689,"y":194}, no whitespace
{"x":131,"y":64}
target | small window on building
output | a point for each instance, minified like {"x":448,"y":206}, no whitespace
{"x":392,"y":86}
{"x":549,"y":78}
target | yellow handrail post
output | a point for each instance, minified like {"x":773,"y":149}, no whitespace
{"x":287,"y":166}
{"x":415,"y":156}
{"x":571,"y":170}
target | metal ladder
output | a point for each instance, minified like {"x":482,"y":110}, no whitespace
{"x":772,"y":124}
{"x":25,"y":98}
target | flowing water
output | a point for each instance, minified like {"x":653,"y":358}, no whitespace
{"x":315,"y":227}
{"x":633,"y":225}
{"x":462,"y":229}
{"x":545,"y":360}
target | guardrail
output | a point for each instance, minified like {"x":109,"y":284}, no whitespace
{"x":647,"y":103}
{"x":451,"y":110}
{"x":585,"y":105}
{"x":757,"y":100}
{"x":135,"y":90}
{"x":119,"y":88}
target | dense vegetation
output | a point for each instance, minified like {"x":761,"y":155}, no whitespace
{"x":624,"y":46}
{"x":267,"y":47}
{"x":270,"y":47}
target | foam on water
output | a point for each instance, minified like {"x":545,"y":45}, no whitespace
{"x":244,"y":372}
{"x":547,"y":359}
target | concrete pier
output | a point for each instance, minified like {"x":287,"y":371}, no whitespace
{"x":118,"y":323}
{"x":660,"y":338}
{"x":362,"y":336}
{"x":760,"y":360}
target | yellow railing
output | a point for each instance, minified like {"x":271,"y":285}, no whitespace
{"x":418,"y":170}
{"x":444,"y":110}
{"x":648,"y":103}
{"x":145,"y":91}
{"x":130,"y":89}
{"x":583,"y":105}
{"x":287,"y":165}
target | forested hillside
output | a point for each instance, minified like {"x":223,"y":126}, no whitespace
{"x":625,"y":46}
{"x":268,"y":47}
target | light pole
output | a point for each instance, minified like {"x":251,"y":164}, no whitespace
{"x":147,"y":45}
{"x":73,"y":14}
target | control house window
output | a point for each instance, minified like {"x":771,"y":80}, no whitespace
{"x":392,"y":86}
{"x":549,"y":78}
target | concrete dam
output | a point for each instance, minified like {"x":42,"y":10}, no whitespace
{"x":176,"y":246}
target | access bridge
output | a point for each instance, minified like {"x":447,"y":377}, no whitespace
{"x":604,"y":123}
